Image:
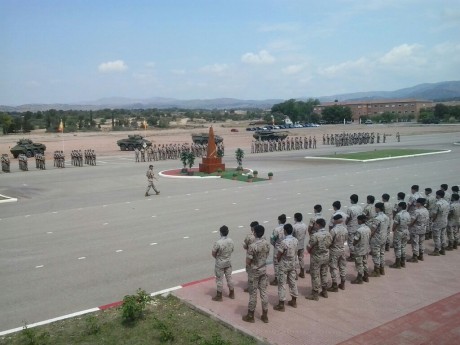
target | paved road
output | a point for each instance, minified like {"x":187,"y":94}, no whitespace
{"x":82,"y":237}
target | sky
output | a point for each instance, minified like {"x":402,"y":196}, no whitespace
{"x":75,"y":51}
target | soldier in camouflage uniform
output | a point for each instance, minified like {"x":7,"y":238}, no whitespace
{"x":248,"y":240}
{"x":439,"y":218}
{"x":150,"y":176}
{"x":5,"y":163}
{"x":430,"y":204}
{"x":389,"y":212}
{"x":352,"y":222}
{"x":222,"y":251}
{"x":286,"y":256}
{"x":361,"y":250}
{"x":378,"y":227}
{"x":417,"y":229}
{"x":413,"y":199}
{"x":300,"y":233}
{"x":318,"y":247}
{"x":400,"y":235}
{"x":447,"y":195}
{"x":369,"y":210}
{"x":337,"y":259}
{"x":453,"y":222}
{"x":275,"y":240}
{"x":256,"y":258}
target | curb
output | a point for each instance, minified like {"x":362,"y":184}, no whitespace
{"x":5,"y":198}
{"x":377,"y":159}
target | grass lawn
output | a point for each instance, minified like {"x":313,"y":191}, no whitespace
{"x":165,"y":321}
{"x":228,"y":174}
{"x":380,"y":154}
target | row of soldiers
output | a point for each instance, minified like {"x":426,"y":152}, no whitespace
{"x":23,"y":165}
{"x":40,"y":161}
{"x":287,"y":144}
{"x":349,"y":139}
{"x":366,"y":230}
{"x":76,"y":157}
{"x":59,"y":159}
{"x":173,"y":151}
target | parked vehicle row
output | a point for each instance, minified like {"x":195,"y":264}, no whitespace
{"x":271,"y":128}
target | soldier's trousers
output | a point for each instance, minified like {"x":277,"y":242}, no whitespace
{"x":151,"y":185}
{"x":416,"y":241}
{"x":301,"y":257}
{"x":248,"y":271}
{"x":399,"y":244}
{"x":337,"y":262}
{"x":350,"y":239}
{"x":378,"y":252}
{"x":361,"y":264}
{"x":259,"y":281}
{"x":276,"y":264}
{"x":318,"y":273}
{"x":390,"y":226}
{"x":452,"y":233}
{"x":288,"y":275}
{"x":439,"y":237}
{"x":220,"y":272}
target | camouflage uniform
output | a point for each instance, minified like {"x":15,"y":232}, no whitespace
{"x":223,"y":249}
{"x":439,"y":216}
{"x":353,"y":212}
{"x":300,"y":233}
{"x":389,"y":212}
{"x":150,"y":176}
{"x":275,"y":240}
{"x":453,"y":223}
{"x":401,"y":233}
{"x":411,"y":202}
{"x":319,"y":243}
{"x":249,"y":239}
{"x":362,"y":238}
{"x":379,"y":223}
{"x":420,"y":220}
{"x":288,"y":248}
{"x":258,"y":253}
{"x":337,"y":260}
{"x":369,"y":211}
{"x":430,"y":204}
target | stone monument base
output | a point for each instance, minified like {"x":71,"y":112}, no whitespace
{"x":211,"y":165}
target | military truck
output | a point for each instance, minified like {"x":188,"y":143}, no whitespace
{"x":270,"y":135}
{"x":202,"y":138}
{"x":27,"y":147}
{"x":133,"y":141}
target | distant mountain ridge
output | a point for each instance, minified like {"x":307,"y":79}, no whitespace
{"x":429,"y":91}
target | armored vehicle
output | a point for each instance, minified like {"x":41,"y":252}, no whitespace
{"x":202,"y":138}
{"x":27,"y":147}
{"x":270,"y":135}
{"x":132,"y":142}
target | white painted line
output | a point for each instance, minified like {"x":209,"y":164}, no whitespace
{"x":268,"y":198}
{"x":266,"y":221}
{"x":49,"y":232}
{"x":330,"y":209}
{"x":309,"y":213}
{"x":165,"y":291}
{"x":326,"y":189}
{"x":298,"y":193}
{"x":39,"y":266}
{"x":197,"y":209}
{"x":119,"y":251}
{"x":82,"y":258}
{"x":153,"y":244}
{"x":239,"y":271}
{"x":233,"y":203}
{"x":54,"y":212}
{"x":214,"y":231}
{"x":153,"y":216}
{"x":27,"y":215}
{"x":185,"y":237}
{"x":188,"y":194}
{"x":105,"y":223}
{"x":241,"y":226}
{"x":128,"y":202}
{"x":104,"y":205}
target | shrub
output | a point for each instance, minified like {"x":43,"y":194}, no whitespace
{"x":133,"y":306}
{"x":270,"y":174}
{"x":255,"y":172}
{"x":91,"y":325}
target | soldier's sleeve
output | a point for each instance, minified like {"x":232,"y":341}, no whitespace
{"x":357,"y":236}
{"x":250,"y":253}
{"x":215,"y":248}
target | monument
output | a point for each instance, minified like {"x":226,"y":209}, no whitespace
{"x":211,"y":163}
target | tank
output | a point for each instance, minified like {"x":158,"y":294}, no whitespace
{"x":132,"y":142}
{"x":27,"y":147}
{"x":202,"y":138}
{"x":270,"y":135}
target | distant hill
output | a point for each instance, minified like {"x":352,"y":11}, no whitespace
{"x":442,"y":91}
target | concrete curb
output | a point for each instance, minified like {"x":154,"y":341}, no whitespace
{"x":377,"y":159}
{"x":7,"y":199}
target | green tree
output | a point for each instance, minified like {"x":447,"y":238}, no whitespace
{"x":190,"y":159}
{"x":336,"y":113}
{"x":239,"y":155}
{"x":6,"y":121}
{"x":441,"y":111}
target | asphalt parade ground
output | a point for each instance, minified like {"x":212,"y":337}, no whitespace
{"x":82,"y":237}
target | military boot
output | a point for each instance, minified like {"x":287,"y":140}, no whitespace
{"x":366,"y":277}
{"x":420,"y":257}
{"x":218,"y":297}
{"x":293,"y":302}
{"x":246,"y":289}
{"x":274,"y":282}
{"x":414,"y":258}
{"x":442,"y":251}
{"x":146,"y":194}
{"x":232,"y":294}
{"x":333,"y":288}
{"x":455,"y":245}
{"x":264,"y":316}
{"x":435,"y":253}
{"x":314,"y":296}
{"x":249,"y":317}
{"x":397,"y":263}
{"x":387,"y":247}
{"x":382,"y":270}
{"x":450,"y":246}
{"x":376,"y":272}
{"x":280,"y":306}
{"x":358,"y":280}
{"x":323,"y":292}
{"x":403,"y":261}
{"x":302,"y":273}
{"x":342,"y":284}
{"x":351,"y":258}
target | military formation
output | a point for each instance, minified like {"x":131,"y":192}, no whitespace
{"x":59,"y":159}
{"x":287,"y":144}
{"x":173,"y":151}
{"x":23,"y":165}
{"x":365,"y":230}
{"x":90,"y":157}
{"x":361,"y":138}
{"x":5,"y":163}
{"x":40,"y":161}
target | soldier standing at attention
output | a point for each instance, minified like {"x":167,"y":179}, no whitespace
{"x":401,"y":196}
{"x":378,"y":239}
{"x":136,"y":154}
{"x":417,"y":229}
{"x":400,"y":235}
{"x":248,"y":240}
{"x":413,"y":199}
{"x":318,"y":247}
{"x":337,"y":260}
{"x":447,"y":194}
{"x":300,"y":233}
{"x":150,"y":176}
{"x":389,"y":212}
{"x":361,"y":245}
{"x":256,"y":258}
{"x":336,"y":205}
{"x":369,"y":210}
{"x":286,"y":256}
{"x":317,"y":214}
{"x":352,"y":222}
{"x":275,"y":240}
{"x":222,"y":251}
{"x":430,"y":205}
{"x":453,"y":221}
{"x":439,"y":218}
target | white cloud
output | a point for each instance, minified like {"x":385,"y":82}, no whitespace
{"x":215,"y":68}
{"x":400,"y":54}
{"x":345,"y":67}
{"x":293,"y":69}
{"x":261,"y":58}
{"x":112,"y":66}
